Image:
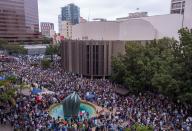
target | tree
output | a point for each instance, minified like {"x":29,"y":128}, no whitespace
{"x":45,"y":64}
{"x":183,"y":72}
{"x":139,"y":127}
{"x":8,"y":92}
{"x":12,"y":79}
{"x":162,"y":66}
{"x":2,"y":43}
{"x":118,"y":70}
{"x":52,"y":50}
{"x":47,"y":40}
{"x":15,"y":49}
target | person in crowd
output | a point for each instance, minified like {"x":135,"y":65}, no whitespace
{"x":147,"y":108}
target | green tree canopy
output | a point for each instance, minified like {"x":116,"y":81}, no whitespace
{"x":47,"y":40}
{"x":45,"y":63}
{"x":163,"y":66}
{"x":52,"y":50}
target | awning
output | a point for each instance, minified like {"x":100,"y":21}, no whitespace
{"x":121,"y":91}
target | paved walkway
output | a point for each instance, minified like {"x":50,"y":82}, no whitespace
{"x":5,"y":128}
{"x":26,"y":92}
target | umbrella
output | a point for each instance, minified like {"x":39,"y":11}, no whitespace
{"x":2,"y":78}
{"x":36,"y":91}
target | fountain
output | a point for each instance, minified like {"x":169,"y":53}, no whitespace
{"x":72,"y":107}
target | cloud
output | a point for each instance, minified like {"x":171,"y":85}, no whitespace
{"x":110,"y":9}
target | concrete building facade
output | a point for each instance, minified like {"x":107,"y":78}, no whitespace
{"x":94,"y":43}
{"x":66,"y":29}
{"x":187,"y":17}
{"x":90,"y":58}
{"x":46,"y":28}
{"x":130,"y":29}
{"x":35,"y":49}
{"x":138,"y":25}
{"x":177,"y":6}
{"x":59,"y":23}
{"x":20,"y":23}
{"x":31,"y":15}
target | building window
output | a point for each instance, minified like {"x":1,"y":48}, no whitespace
{"x":177,"y":5}
{"x":87,"y":55}
{"x":94,"y":59}
{"x":97,"y":60}
{"x":176,"y":11}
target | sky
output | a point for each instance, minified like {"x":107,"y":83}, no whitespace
{"x":109,"y":9}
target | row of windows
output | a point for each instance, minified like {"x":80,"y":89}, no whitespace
{"x":47,"y":24}
{"x":9,"y":16}
{"x":177,"y":5}
{"x":177,"y":0}
{"x":178,"y":11}
{"x":93,"y":51}
{"x":46,"y":28}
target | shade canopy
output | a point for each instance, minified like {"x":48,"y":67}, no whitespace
{"x":36,"y":91}
{"x":2,"y":78}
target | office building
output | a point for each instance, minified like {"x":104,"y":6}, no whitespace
{"x":35,"y":49}
{"x":59,"y":23}
{"x":46,"y":27}
{"x":187,"y":17}
{"x":130,"y":29}
{"x":90,"y":58}
{"x":19,"y":20}
{"x":177,"y":6}
{"x":136,"y":27}
{"x":70,"y":13}
{"x":94,"y":43}
{"x":66,"y":29}
{"x":31,"y":16}
{"x":183,"y":7}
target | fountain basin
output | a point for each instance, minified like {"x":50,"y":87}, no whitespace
{"x":56,"y":110}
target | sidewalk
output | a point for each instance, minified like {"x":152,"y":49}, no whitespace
{"x":5,"y":128}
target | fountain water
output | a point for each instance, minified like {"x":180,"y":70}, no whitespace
{"x":72,"y":107}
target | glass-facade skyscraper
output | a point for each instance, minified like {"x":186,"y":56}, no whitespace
{"x":19,"y":20}
{"x":71,"y":13}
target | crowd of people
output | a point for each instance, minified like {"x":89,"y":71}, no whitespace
{"x":147,"y":108}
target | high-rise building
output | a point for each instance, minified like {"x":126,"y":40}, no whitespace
{"x":66,"y":29}
{"x":187,"y":17}
{"x":183,"y":7}
{"x":59,"y":23}
{"x":31,"y":16}
{"x":46,"y":29}
{"x":19,"y":20}
{"x":177,"y":6}
{"x":71,"y":13}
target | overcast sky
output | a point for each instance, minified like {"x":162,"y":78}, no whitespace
{"x":109,"y":9}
